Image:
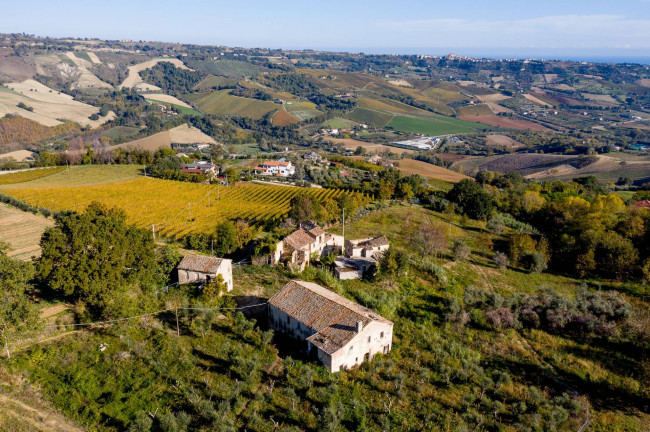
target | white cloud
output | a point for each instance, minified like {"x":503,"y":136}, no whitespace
{"x":581,"y":31}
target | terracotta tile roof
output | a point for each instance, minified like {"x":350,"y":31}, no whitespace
{"x":199,"y":263}
{"x":299,"y":239}
{"x":332,"y":317}
{"x":312,"y":228}
{"x":644,"y":203}
{"x":275,"y":163}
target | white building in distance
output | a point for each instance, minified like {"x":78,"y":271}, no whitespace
{"x":276,"y":168}
{"x":341,"y":334}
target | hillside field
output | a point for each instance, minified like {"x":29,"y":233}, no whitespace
{"x":429,"y":171}
{"x":435,"y":126}
{"x":176,"y":208}
{"x":22,"y":230}
{"x":48,"y":106}
{"x":223,"y":103}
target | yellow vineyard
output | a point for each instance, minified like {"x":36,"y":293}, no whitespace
{"x":174,"y":208}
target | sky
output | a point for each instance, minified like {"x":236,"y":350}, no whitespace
{"x":501,"y":28}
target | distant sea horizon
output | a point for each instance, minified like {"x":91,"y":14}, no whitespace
{"x":591,"y":55}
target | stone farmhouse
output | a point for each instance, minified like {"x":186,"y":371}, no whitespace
{"x":197,"y":268}
{"x":276,"y":168}
{"x":339,"y":333}
{"x":296,"y":249}
{"x":371,"y":247}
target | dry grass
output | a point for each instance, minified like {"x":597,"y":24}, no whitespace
{"x":161,"y":97}
{"x":401,"y":83}
{"x":535,"y":100}
{"x":186,"y":134}
{"x":48,"y":105}
{"x":352,"y":144}
{"x":503,"y":141}
{"x":427,"y":170}
{"x":151,"y":143}
{"x":496,"y":97}
{"x":22,"y":231}
{"x":18,"y":155}
{"x":133,"y":79}
{"x":94,"y":57}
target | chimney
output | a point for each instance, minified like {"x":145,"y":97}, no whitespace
{"x":359,"y":326}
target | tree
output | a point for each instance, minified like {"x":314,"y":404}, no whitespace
{"x":243,"y":233}
{"x":225,"y":241}
{"x":95,"y":258}
{"x":302,"y":208}
{"x":471,"y":198}
{"x":430,"y":238}
{"x":360,"y":151}
{"x":536,"y":262}
{"x":18,"y":314}
{"x":391,"y":264}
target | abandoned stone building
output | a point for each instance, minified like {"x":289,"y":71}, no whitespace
{"x":338,"y":332}
{"x":371,"y":247}
{"x":195,"y":268}
{"x":296,"y":249}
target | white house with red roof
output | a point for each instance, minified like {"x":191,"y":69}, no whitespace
{"x":276,"y":168}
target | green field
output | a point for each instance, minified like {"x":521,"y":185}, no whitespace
{"x":435,"y":126}
{"x":215,"y":81}
{"x":373,"y":118}
{"x":339,"y":123}
{"x":65,"y":59}
{"x":302,"y":110}
{"x":226,"y":68}
{"x":119,"y":132}
{"x":84,"y":56}
{"x":223,"y":103}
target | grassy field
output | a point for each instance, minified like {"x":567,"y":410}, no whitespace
{"x":22,"y":231}
{"x":339,"y":123}
{"x":223,"y":103}
{"x":367,"y":116}
{"x":176,"y":208}
{"x":215,"y":81}
{"x":118,"y":132}
{"x":83,"y":175}
{"x":434,"y":126}
{"x":226,"y":68}
{"x":84,"y":56}
{"x":302,"y":110}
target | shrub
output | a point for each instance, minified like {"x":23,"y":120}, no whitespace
{"x":500,"y":260}
{"x":460,"y":250}
{"x":536,"y":262}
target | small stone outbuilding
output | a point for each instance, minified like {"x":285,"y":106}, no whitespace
{"x":341,"y":334}
{"x":196,"y":268}
{"x":371,"y":247}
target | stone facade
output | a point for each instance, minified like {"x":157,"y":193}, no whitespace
{"x":338,"y":332}
{"x":196,"y":268}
